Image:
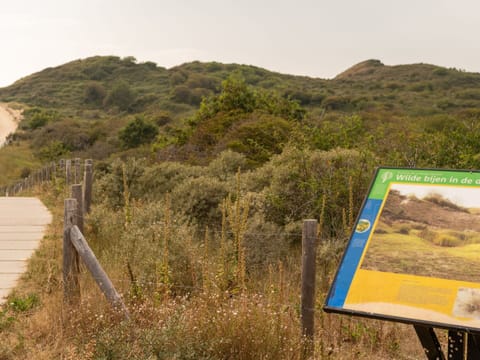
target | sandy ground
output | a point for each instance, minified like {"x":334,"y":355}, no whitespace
{"x":9,"y":119}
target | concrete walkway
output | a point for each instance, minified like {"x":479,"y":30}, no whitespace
{"x":22,"y":225}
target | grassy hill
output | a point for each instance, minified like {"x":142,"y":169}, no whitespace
{"x":204,"y":173}
{"x":369,"y":106}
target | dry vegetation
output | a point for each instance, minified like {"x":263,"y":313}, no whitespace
{"x":190,"y":295}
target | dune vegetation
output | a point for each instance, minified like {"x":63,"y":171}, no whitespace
{"x":203,"y":176}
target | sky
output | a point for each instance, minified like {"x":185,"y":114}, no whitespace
{"x":317,"y":38}
{"x":468,"y":197}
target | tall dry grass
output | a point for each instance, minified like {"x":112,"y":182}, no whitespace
{"x":189,"y":297}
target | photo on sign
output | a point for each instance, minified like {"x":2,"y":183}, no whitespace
{"x":428,"y":230}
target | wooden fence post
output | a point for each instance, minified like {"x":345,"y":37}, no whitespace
{"x":77,"y":171}
{"x":88,"y":182}
{"x":71,"y":286}
{"x":77,"y":194}
{"x":46,"y":172}
{"x":92,"y":264}
{"x":68,"y":172}
{"x":61,"y":168}
{"x":54,"y":171}
{"x":309,"y":236}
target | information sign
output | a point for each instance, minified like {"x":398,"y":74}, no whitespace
{"x":414,"y":255}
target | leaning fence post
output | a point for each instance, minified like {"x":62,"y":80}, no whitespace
{"x":92,"y":264}
{"x":309,"y":236}
{"x":87,"y":182}
{"x":77,"y":194}
{"x":71,"y":286}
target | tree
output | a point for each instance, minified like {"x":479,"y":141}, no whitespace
{"x":236,"y":96}
{"x":137,"y":132}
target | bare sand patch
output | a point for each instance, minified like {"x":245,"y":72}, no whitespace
{"x":413,"y":313}
{"x":9,"y":120}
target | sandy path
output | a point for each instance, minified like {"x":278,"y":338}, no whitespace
{"x":9,"y":119}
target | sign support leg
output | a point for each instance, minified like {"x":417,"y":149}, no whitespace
{"x":430,"y":342}
{"x":473,"y":346}
{"x":456,"y":345}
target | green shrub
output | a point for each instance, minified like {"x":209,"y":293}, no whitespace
{"x":226,"y":164}
{"x":177,"y":77}
{"x":300,"y":181}
{"x":336,"y":102}
{"x":471,"y":94}
{"x":38,"y":121}
{"x":182,"y":94}
{"x":137,"y":132}
{"x":36,"y":117}
{"x":22,"y":304}
{"x":202,"y":81}
{"x":120,"y":96}
{"x":333,"y":132}
{"x":151,"y":237}
{"x":53,"y":151}
{"x":74,"y":135}
{"x":109,"y":187}
{"x":162,"y":118}
{"x":199,"y":198}
{"x":259,"y":138}
{"x":162,"y":178}
{"x":94,"y":93}
{"x":440,"y":72}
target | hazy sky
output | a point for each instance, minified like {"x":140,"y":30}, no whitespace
{"x":318,"y":38}
{"x":463,"y":196}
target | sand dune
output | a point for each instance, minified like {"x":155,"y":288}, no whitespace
{"x":9,"y":119}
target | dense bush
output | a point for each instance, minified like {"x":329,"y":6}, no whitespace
{"x":258,"y":137}
{"x":137,"y":132}
{"x":36,"y":117}
{"x":119,"y":181}
{"x":226,"y":164}
{"x":120,"y":96}
{"x":73,"y":135}
{"x":335,"y":102}
{"x":182,"y":94}
{"x":302,"y":180}
{"x":94,"y":93}
{"x":199,"y":198}
{"x":162,"y":178}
